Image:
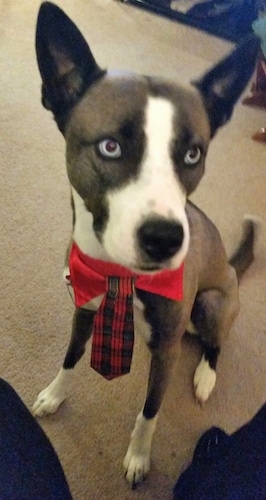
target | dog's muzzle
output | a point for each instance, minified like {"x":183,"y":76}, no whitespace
{"x":160,"y":238}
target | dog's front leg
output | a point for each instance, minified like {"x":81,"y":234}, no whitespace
{"x":137,"y":459}
{"x":167,"y":321}
{"x":49,"y":400}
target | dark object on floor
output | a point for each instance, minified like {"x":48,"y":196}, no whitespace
{"x":257,"y":96}
{"x":260,"y":135}
{"x":29,"y":466}
{"x":230,"y":19}
{"x":228,"y":467}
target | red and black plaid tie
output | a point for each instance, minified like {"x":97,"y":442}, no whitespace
{"x":113,"y":334}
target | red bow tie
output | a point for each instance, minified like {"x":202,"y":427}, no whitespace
{"x":113,"y":332}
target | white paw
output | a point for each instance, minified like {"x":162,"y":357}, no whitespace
{"x":204,"y":381}
{"x":136,"y":466}
{"x":49,"y":400}
{"x":137,"y":459}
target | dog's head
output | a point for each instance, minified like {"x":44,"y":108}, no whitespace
{"x":135,"y":145}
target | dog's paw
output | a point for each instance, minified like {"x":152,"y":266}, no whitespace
{"x":204,"y":381}
{"x":136,"y":467}
{"x":137,"y":459}
{"x":49,"y":400}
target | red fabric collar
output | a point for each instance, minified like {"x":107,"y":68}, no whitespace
{"x":89,"y":276}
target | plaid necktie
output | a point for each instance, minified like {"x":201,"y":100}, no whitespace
{"x":113,"y":334}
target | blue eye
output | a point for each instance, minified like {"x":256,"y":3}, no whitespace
{"x":110,"y":148}
{"x":192,"y":156}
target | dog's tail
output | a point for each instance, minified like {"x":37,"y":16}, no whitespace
{"x":244,"y":254}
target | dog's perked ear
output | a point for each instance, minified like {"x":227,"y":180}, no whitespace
{"x":222,"y":86}
{"x":65,"y":61}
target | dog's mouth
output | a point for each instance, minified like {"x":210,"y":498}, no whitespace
{"x":150,"y":268}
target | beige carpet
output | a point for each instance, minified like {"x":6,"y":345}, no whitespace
{"x":91,"y":431}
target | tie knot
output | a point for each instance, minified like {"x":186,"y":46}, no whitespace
{"x":123,"y":286}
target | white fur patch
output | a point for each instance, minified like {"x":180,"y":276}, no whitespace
{"x":66,"y":275}
{"x":191,"y":329}
{"x":137,"y":459}
{"x":49,"y":400}
{"x":204,"y":381}
{"x":156,"y":192}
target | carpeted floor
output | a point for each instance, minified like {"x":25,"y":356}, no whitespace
{"x":91,"y":430}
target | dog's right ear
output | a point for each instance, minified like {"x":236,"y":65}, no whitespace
{"x":222,"y":86}
{"x":65,"y":61}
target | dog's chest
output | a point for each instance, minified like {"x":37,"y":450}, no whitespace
{"x":140,"y":324}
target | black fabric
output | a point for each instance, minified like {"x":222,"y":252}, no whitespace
{"x":29,"y":466}
{"x":228,"y":467}
{"x":230,"y":19}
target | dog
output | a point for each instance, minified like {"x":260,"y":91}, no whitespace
{"x":135,"y":150}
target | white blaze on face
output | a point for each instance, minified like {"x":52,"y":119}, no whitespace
{"x":156,"y":191}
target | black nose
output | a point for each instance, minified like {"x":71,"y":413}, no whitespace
{"x":160,"y":238}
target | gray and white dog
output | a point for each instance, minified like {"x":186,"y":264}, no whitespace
{"x":135,"y":150}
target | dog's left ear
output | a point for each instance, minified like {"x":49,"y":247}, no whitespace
{"x":65,"y":61}
{"x":222,"y":86}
